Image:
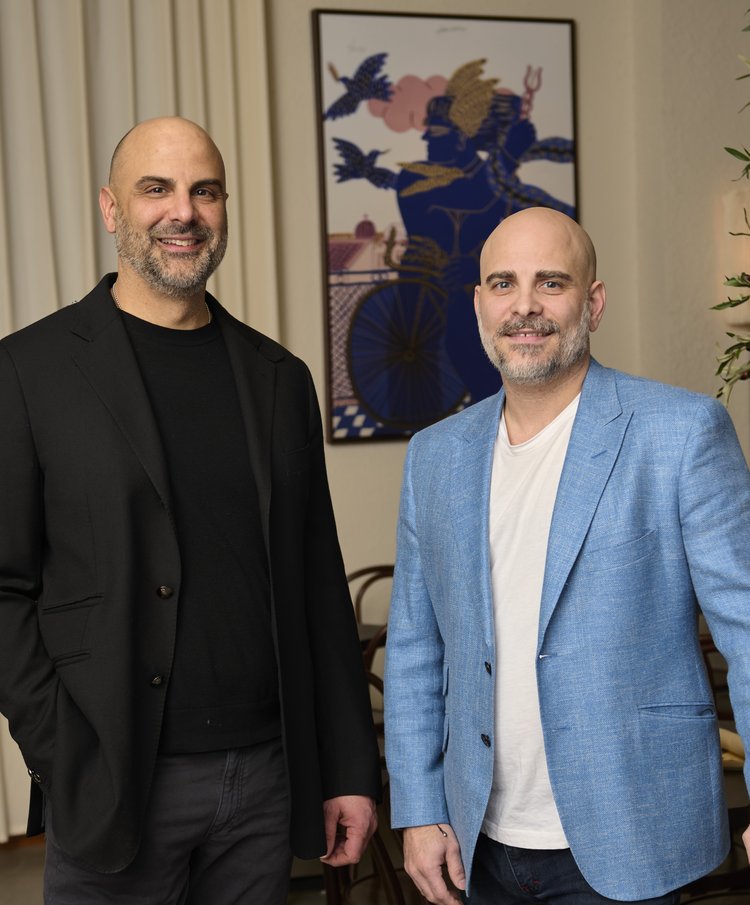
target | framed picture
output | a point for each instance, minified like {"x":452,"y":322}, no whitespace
{"x":432,"y":129}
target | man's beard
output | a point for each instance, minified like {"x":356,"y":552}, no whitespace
{"x":536,"y":366}
{"x":175,"y":275}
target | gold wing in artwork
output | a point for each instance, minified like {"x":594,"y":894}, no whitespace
{"x":435,"y":176}
{"x":472,"y":96}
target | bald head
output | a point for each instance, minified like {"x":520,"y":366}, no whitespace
{"x":548,"y":229}
{"x":152,"y":135}
{"x":538,"y":299}
{"x":166,"y":206}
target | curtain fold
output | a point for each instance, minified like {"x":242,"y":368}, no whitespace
{"x":75,"y":75}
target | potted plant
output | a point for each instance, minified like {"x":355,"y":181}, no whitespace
{"x":734,"y":363}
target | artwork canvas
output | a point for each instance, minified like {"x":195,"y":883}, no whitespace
{"x":432,"y":130}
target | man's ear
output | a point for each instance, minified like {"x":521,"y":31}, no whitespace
{"x":107,"y":205}
{"x":598,"y":300}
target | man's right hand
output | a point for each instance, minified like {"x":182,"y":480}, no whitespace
{"x":426,"y":850}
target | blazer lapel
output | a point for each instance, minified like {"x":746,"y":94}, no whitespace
{"x":595,"y":442}
{"x":253,"y":363}
{"x":109,"y":364}
{"x":472,"y":471}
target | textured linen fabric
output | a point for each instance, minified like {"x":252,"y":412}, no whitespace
{"x":650,"y":519}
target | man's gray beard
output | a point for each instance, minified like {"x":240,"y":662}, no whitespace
{"x":572,"y":348}
{"x":143,"y":258}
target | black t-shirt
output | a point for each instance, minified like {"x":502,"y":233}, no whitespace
{"x":223,"y":690}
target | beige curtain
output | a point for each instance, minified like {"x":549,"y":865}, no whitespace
{"x":75,"y":75}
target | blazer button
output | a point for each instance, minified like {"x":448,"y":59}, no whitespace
{"x":486,"y":740}
{"x":164,"y":591}
{"x":35,"y":776}
{"x":157,"y":680}
{"x":488,"y":666}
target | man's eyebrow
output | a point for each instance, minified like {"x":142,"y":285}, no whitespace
{"x":560,"y":275}
{"x":499,"y":275}
{"x":201,"y":183}
{"x":149,"y":180}
{"x":170,"y":183}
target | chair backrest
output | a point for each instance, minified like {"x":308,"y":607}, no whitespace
{"x":373,"y":646}
{"x":361,"y":580}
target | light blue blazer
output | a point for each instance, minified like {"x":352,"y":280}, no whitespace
{"x":652,"y":519}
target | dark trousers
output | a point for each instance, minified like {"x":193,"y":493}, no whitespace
{"x":505,"y":875}
{"x":216,"y":831}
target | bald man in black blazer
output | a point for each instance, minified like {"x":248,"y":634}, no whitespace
{"x":175,"y":625}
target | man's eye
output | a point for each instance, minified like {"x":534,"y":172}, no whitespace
{"x":207,"y":194}
{"x":155,"y":190}
{"x":551,"y":284}
{"x":501,"y":284}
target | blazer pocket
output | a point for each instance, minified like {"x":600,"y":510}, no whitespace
{"x":689,"y":710}
{"x":77,"y":603}
{"x":70,"y":659}
{"x":618,"y":551}
{"x":64,"y":626}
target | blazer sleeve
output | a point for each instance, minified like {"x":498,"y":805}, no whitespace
{"x":414,"y":679}
{"x":28,"y":682}
{"x":715,"y":515}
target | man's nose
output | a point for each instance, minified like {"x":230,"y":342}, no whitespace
{"x":526,"y":301}
{"x":182,"y":208}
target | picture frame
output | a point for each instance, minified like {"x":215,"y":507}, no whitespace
{"x":431,"y":130}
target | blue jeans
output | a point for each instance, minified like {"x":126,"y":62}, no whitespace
{"x":505,"y":875}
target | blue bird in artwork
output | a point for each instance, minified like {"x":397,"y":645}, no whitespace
{"x":358,"y":165}
{"x":366,"y":83}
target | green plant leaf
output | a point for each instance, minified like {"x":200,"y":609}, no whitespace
{"x":730,"y":303}
{"x":739,"y":280}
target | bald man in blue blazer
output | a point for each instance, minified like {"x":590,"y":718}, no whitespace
{"x":551,"y":732}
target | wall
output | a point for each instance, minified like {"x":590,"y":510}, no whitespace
{"x":657,"y":101}
{"x":686,"y":111}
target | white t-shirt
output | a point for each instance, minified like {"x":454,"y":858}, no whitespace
{"x":525,"y":477}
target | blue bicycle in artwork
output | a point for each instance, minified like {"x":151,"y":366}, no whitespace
{"x":413,"y":349}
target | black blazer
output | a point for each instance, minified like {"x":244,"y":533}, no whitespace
{"x":90,"y":578}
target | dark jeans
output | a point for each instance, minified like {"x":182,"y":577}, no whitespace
{"x":216,"y":831}
{"x":504,"y":875}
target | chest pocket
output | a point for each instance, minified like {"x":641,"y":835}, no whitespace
{"x":619,"y":550}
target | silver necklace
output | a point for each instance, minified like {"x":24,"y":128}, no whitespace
{"x":113,"y":292}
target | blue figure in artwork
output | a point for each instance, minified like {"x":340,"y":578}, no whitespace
{"x":364,"y":85}
{"x":476,"y":138}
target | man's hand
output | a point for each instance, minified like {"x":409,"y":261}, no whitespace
{"x":349,"y":820}
{"x":426,"y":850}
{"x":746,"y":840}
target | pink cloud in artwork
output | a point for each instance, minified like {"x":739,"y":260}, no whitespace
{"x":408,"y":104}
